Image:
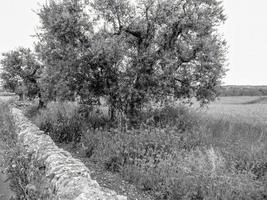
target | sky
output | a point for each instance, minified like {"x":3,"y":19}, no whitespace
{"x":245,"y":32}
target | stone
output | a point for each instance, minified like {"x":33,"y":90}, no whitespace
{"x":68,"y":176}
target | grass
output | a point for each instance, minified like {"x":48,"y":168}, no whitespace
{"x":251,"y":110}
{"x":25,"y":178}
{"x":178,"y":153}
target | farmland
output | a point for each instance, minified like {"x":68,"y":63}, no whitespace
{"x":249,"y":109}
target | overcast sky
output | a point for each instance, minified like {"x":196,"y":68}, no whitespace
{"x":245,"y":32}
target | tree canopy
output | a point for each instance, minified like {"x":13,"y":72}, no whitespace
{"x":20,"y":72}
{"x":130,"y":52}
{"x":170,"y":47}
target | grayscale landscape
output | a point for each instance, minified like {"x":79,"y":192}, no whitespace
{"x":133,"y":100}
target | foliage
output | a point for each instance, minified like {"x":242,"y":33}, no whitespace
{"x":183,"y":155}
{"x":26,"y":177}
{"x":7,"y":129}
{"x":214,"y":159}
{"x":20,"y":72}
{"x":31,"y":111}
{"x":130,"y":54}
{"x":66,"y":121}
{"x":243,"y":91}
{"x":62,"y":47}
{"x":171,"y":48}
{"x":179,"y":116}
{"x":61,"y":121}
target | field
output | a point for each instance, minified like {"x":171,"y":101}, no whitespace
{"x":249,"y":109}
{"x":218,"y":152}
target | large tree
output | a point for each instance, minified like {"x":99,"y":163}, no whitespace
{"x":80,"y":60}
{"x":64,"y":37}
{"x":133,"y":51}
{"x":171,"y":48}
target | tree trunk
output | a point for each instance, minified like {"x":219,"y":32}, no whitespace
{"x":21,"y":96}
{"x":132,"y":114}
{"x":41,"y":102}
{"x":111,"y":112}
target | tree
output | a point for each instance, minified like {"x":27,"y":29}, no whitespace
{"x":62,"y":47}
{"x":9,"y":82}
{"x":78,"y":61}
{"x":21,"y":71}
{"x":132,"y":52}
{"x":171,"y":48}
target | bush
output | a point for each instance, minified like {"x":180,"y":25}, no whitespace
{"x":66,"y":121}
{"x":179,"y":116}
{"x":7,"y":127}
{"x":94,"y":117}
{"x":177,"y":154}
{"x":202,"y":158}
{"x":60,"y":120}
{"x":27,"y":177}
{"x":155,"y":160}
{"x":32,"y":111}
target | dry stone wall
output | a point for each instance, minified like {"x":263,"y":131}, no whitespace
{"x":69,"y":177}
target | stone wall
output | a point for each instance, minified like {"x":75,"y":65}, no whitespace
{"x":69,"y":177}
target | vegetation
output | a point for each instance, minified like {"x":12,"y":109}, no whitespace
{"x":243,"y":91}
{"x":108,"y":76}
{"x":25,"y":176}
{"x":21,"y":72}
{"x":129,"y":53}
{"x":177,"y":153}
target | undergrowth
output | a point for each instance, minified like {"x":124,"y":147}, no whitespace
{"x":65,"y":121}
{"x":26,"y":176}
{"x":175,"y":153}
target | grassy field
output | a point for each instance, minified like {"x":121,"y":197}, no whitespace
{"x":247,"y":109}
{"x":217,"y":153}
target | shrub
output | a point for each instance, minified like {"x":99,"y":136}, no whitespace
{"x":179,"y":116}
{"x":60,"y":120}
{"x":201,"y":161}
{"x":155,"y":161}
{"x":32,"y":111}
{"x":94,"y":117}
{"x":7,"y":127}
{"x":177,"y":154}
{"x":66,"y":121}
{"x":27,"y":177}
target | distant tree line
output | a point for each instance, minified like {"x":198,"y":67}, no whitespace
{"x":128,"y":52}
{"x":243,"y":91}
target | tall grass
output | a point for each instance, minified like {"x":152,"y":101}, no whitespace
{"x":60,"y":120}
{"x":25,"y":176}
{"x":175,"y":153}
